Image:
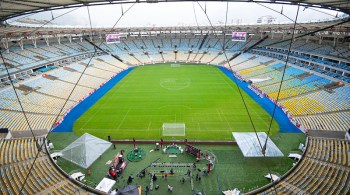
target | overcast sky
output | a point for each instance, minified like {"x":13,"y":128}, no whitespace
{"x":180,"y":13}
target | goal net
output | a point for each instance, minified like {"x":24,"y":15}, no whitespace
{"x":175,"y":65}
{"x":174,"y":129}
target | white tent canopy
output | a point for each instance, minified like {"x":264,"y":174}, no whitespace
{"x":105,"y":185}
{"x":272,"y":177}
{"x":294,"y":156}
{"x":85,"y":150}
{"x":232,"y":192}
{"x":250,"y":146}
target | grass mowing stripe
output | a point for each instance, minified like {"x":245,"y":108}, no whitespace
{"x":200,"y":96}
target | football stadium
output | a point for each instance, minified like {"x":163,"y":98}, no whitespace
{"x":175,"y":97}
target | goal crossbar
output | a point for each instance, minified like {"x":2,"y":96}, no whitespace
{"x":175,"y":65}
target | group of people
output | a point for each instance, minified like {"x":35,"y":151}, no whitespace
{"x":171,"y":172}
{"x":113,"y":172}
{"x":170,"y":188}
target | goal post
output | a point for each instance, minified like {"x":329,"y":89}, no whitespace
{"x":174,"y":129}
{"x":175,"y":65}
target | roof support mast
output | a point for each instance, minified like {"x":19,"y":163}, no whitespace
{"x":5,"y":43}
{"x":34,"y":41}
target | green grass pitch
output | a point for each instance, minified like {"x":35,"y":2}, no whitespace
{"x":201,"y":96}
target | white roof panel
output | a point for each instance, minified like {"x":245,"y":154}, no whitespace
{"x":250,"y":146}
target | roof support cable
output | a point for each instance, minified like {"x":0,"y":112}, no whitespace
{"x":41,"y":26}
{"x":18,"y":99}
{"x":309,"y":33}
{"x":238,"y":88}
{"x":195,"y":15}
{"x":39,"y":147}
{"x":316,"y":35}
{"x":61,"y":110}
{"x":283,"y":74}
{"x":98,"y":46}
{"x":90,"y":59}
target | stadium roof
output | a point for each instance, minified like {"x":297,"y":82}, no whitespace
{"x":13,"y":8}
{"x":15,"y":31}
